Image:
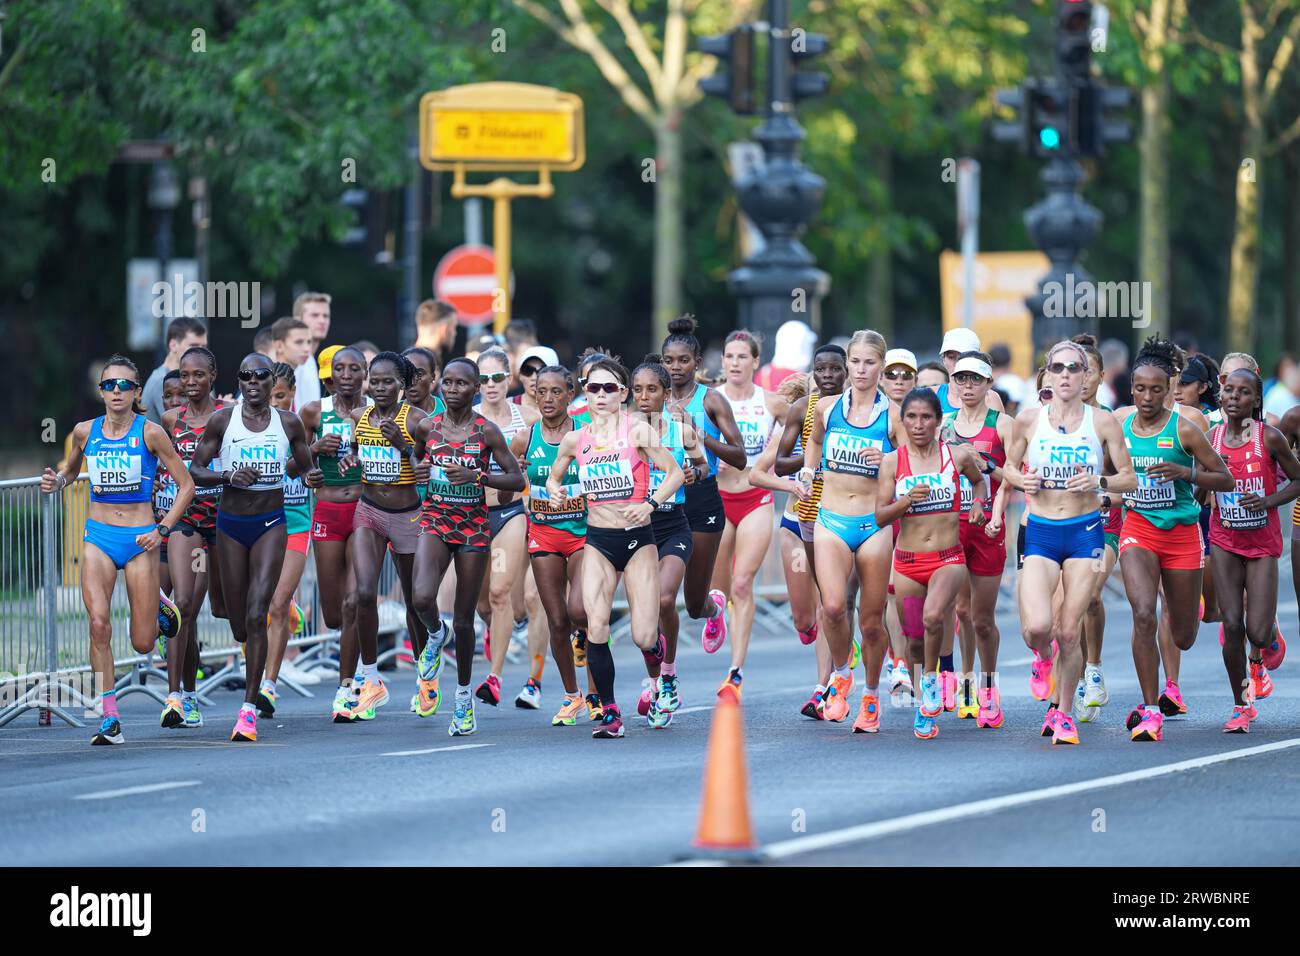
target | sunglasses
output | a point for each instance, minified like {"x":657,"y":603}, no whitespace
{"x":118,"y":385}
{"x":528,"y":371}
{"x":498,"y":377}
{"x":968,"y":378}
{"x":899,"y":375}
{"x":248,"y":374}
{"x":1066,"y":368}
{"x":609,"y":388}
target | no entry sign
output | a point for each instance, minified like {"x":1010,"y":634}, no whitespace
{"x":466,"y":277}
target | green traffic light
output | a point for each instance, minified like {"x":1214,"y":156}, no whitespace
{"x":1050,"y":137}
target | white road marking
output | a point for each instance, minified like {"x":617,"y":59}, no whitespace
{"x":913,"y":821}
{"x":435,"y":750}
{"x":132,"y":791}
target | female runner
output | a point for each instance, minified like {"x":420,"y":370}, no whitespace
{"x":612,"y":453}
{"x":458,"y":446}
{"x":1160,"y":545}
{"x":254,"y":442}
{"x":387,"y":516}
{"x":1246,"y":538}
{"x":556,"y":534}
{"x":851,"y":435}
{"x":747,"y":509}
{"x":509,"y":565}
{"x":122,"y":450}
{"x":713,"y":421}
{"x":191,"y":557}
{"x":922,"y":481}
{"x":1064,"y":444}
{"x":987,"y":432}
{"x":828,"y":375}
{"x":330,"y":421}
{"x":285,"y":616}
{"x":660,"y":697}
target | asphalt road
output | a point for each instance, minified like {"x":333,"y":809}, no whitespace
{"x":398,"y":790}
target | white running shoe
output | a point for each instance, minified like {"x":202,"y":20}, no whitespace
{"x":901,"y":682}
{"x":1082,"y":712}
{"x":1094,"y":689}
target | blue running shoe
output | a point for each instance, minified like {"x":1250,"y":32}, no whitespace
{"x":924,"y":727}
{"x":430,"y":660}
{"x":462,"y":721}
{"x":931,"y":700}
{"x":110,"y":732}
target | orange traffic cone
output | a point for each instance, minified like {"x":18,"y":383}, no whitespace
{"x":725,"y":829}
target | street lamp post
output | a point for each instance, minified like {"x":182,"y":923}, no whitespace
{"x":779,"y":281}
{"x":164,"y":197}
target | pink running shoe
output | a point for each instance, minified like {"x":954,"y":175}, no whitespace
{"x":490,"y":690}
{"x":1041,"y":682}
{"x":1171,"y":701}
{"x":715,"y":628}
{"x":245,"y":727}
{"x":1049,"y":722}
{"x":990,"y":713}
{"x":1239,"y":722}
{"x":1150,"y":727}
{"x":808,"y":636}
{"x":1275,"y":653}
{"x":648,"y":687}
{"x":948,"y":688}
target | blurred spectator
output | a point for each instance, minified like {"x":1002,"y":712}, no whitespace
{"x":1187,"y":342}
{"x":292,"y":342}
{"x":1283,"y":396}
{"x":264,"y":342}
{"x":313,"y":308}
{"x":1010,"y":385}
{"x":791,"y":353}
{"x":367,"y":348}
{"x":435,"y":327}
{"x":1284,"y":361}
{"x":1115,"y":390}
{"x":182,"y":334}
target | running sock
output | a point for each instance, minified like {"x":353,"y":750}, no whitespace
{"x":842,"y":672}
{"x":600,"y":662}
{"x":109,"y":702}
{"x":371,"y":672}
{"x":945,"y":662}
{"x":497,"y":676}
{"x":668,"y":670}
{"x":247,"y":708}
{"x":462,"y":692}
{"x":874,"y":691}
{"x":269,"y":685}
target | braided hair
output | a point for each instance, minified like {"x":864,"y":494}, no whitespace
{"x":1161,"y":353}
{"x":654,"y":364}
{"x":405,"y":370}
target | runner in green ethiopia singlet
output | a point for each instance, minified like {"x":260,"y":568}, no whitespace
{"x":537,"y":467}
{"x":332,"y":423}
{"x":297,"y":505}
{"x":1164,"y":504}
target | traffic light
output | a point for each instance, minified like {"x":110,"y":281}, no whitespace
{"x":1073,"y":39}
{"x":1048,"y":119}
{"x":805,"y":46}
{"x":734,"y":78}
{"x":1091,"y":128}
{"x":1015,"y":130}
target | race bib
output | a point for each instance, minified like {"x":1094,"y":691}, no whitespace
{"x":114,"y":473}
{"x":1236,"y":518}
{"x":164,"y":498}
{"x":544,"y":510}
{"x":264,"y":457}
{"x":380,"y":464}
{"x":844,"y":453}
{"x":1150,"y":494}
{"x":967,"y":495}
{"x":940,"y":497}
{"x":295,"y":491}
{"x":606,"y":480}
{"x":344,"y":431}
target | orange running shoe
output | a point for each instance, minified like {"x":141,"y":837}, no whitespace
{"x":868,"y":721}
{"x":374,"y":693}
{"x":1260,"y":681}
{"x":836,"y":702}
{"x":428,"y":698}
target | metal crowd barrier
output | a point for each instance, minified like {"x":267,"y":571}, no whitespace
{"x":44,"y":627}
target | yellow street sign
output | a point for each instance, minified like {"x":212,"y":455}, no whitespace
{"x":497,"y":127}
{"x":1002,"y":280}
